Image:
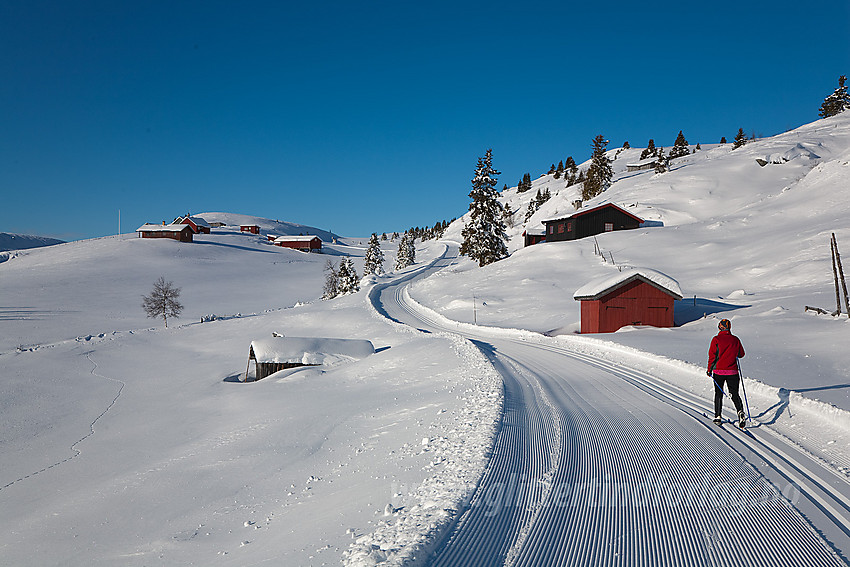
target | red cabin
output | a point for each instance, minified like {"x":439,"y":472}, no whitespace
{"x":251,"y":228}
{"x":181,"y":232}
{"x":637,"y":296}
{"x":304,"y":243}
{"x":198,"y":225}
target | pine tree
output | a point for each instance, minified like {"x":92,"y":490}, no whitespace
{"x":552,"y":169}
{"x":680,"y":147}
{"x":599,"y":174}
{"x":559,"y":170}
{"x":649,"y":151}
{"x":484,"y":235}
{"x":331,"y":288}
{"x":740,"y":139}
{"x":347,"y":279}
{"x":723,"y":139}
{"x":406,"y":255}
{"x":837,"y":102}
{"x":626,"y":145}
{"x":661,"y":163}
{"x":374,"y":263}
{"x":570,"y":171}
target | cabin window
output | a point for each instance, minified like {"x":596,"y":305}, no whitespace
{"x":551,"y":229}
{"x":569,"y":227}
{"x":609,"y":226}
{"x":561,"y":228}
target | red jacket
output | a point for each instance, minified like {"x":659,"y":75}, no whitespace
{"x":724,"y":352}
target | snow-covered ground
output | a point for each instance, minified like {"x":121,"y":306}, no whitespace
{"x":126,"y":443}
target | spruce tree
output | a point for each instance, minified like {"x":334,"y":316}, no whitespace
{"x":599,"y":174}
{"x":347,"y":279}
{"x":723,"y":139}
{"x":649,"y":151}
{"x":740,"y":139}
{"x":837,"y":102}
{"x":374,"y":263}
{"x":680,"y":147}
{"x":570,"y":171}
{"x":484,"y":235}
{"x":406,"y":255}
{"x":661,"y":164}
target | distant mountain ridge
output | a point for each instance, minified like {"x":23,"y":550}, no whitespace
{"x":10,"y":241}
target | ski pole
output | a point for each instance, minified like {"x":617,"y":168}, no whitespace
{"x":744,"y":388}
{"x":718,"y":385}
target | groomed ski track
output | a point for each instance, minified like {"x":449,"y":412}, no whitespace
{"x":599,"y":464}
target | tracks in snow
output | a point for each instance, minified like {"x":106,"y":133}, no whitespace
{"x":598,"y":464}
{"x":76,"y":452}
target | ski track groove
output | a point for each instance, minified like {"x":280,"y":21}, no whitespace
{"x":73,"y":447}
{"x":570,"y":418}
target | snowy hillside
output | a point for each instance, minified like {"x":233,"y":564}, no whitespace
{"x":9,"y":241}
{"x":280,"y":228}
{"x":749,"y":242}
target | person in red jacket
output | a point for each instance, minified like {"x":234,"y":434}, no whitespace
{"x":723,"y":355}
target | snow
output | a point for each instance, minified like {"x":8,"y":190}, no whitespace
{"x":593,"y":289}
{"x":128,"y":443}
{"x":309,"y":350}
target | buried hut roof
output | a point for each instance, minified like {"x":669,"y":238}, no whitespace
{"x":601,"y":286}
{"x":308,"y":350}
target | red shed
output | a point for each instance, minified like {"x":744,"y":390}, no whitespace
{"x":252,"y":228}
{"x":637,"y":296}
{"x":306,"y":243}
{"x":181,"y":232}
{"x":199,"y":225}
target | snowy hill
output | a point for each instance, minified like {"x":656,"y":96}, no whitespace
{"x":9,"y":241}
{"x":745,"y":232}
{"x":280,"y":228}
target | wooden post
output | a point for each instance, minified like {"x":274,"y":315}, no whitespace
{"x":835,"y":276}
{"x":841,"y":274}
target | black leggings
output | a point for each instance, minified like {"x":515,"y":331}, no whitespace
{"x":732,"y":381}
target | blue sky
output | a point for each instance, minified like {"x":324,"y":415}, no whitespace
{"x":370,"y":116}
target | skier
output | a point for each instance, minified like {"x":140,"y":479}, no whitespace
{"x":723,"y":355}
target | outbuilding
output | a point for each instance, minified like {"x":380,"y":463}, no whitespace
{"x":250,"y":228}
{"x":181,"y":232}
{"x":635,"y":296}
{"x":589,"y":222}
{"x":279,"y":353}
{"x":531,"y":236}
{"x":198,"y":225}
{"x":306,"y":243}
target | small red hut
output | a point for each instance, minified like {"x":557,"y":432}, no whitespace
{"x":181,"y":232}
{"x":306,"y":243}
{"x":250,"y":228}
{"x":637,"y":296}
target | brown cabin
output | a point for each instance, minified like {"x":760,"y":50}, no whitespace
{"x":181,"y":232}
{"x":634,"y":297}
{"x":589,"y":222}
{"x":533,"y":237}
{"x":250,"y":228}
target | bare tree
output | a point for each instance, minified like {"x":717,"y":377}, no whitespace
{"x":162,"y":301}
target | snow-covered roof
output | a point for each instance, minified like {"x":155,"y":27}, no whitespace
{"x":600,"y":286}
{"x":581,"y":212}
{"x":642,"y":163}
{"x":147,"y":227}
{"x":307,"y":238}
{"x":309,"y":350}
{"x":197,"y":220}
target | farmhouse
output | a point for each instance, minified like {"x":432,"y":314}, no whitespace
{"x":304,"y":243}
{"x":199,"y":225}
{"x":589,"y":222}
{"x":181,"y":232}
{"x":636,"y":296}
{"x":250,"y":228}
{"x":279,"y":353}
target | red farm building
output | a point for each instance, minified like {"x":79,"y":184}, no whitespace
{"x":589,"y":222}
{"x":636,"y":296}
{"x":181,"y":232}
{"x":199,"y":225}
{"x":250,"y":228}
{"x":306,"y":243}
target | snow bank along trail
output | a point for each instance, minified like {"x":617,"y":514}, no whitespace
{"x":599,"y":464}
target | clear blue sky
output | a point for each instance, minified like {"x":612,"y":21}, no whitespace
{"x":370,"y":116}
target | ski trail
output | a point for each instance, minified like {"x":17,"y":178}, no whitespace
{"x":76,"y":452}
